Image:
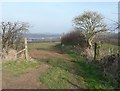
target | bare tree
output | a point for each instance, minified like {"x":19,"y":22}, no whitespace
{"x":12,"y":34}
{"x":90,"y":23}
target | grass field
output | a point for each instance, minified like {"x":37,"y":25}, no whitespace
{"x":42,"y":46}
{"x":66,"y":71}
{"x":105,"y":47}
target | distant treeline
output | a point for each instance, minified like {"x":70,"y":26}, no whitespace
{"x":108,"y":37}
{"x":43,"y":37}
{"x":40,"y":40}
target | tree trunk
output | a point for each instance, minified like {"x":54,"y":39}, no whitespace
{"x":90,"y":54}
{"x":89,"y":50}
{"x":90,"y":42}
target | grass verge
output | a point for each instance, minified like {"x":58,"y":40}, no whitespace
{"x":90,"y":74}
{"x":55,"y":78}
{"x":55,"y":62}
{"x":17,"y":68}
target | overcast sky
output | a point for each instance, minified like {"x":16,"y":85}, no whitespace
{"x":52,"y":17}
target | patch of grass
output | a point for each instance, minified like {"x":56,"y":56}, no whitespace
{"x":92,"y":75}
{"x":61,"y":63}
{"x":106,"y":46}
{"x":56,"y":78}
{"x":89,"y":74}
{"x":60,"y":76}
{"x":17,"y":68}
{"x":42,"y":46}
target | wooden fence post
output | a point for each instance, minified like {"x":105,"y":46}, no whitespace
{"x":97,"y":51}
{"x":95,"y":47}
{"x":110,"y":51}
{"x":26,"y":50}
{"x":1,"y":48}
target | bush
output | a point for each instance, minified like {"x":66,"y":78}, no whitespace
{"x":74,"y":38}
{"x":110,"y":65}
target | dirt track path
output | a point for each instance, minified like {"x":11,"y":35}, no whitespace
{"x":29,"y":80}
{"x":43,"y":54}
{"x":0,"y":76}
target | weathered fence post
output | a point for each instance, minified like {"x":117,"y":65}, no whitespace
{"x":62,"y":47}
{"x":0,"y":43}
{"x":96,"y":51}
{"x":0,"y":62}
{"x":110,"y":51}
{"x":95,"y":47}
{"x":26,"y":50}
{"x":1,"y":48}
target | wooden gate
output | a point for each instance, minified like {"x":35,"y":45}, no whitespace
{"x":4,"y":56}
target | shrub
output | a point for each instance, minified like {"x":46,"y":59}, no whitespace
{"x":110,"y":65}
{"x":74,"y":38}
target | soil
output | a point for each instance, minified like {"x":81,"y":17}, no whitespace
{"x":42,"y":54}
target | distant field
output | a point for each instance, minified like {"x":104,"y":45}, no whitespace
{"x":107,"y":46}
{"x":108,"y":49}
{"x":42,"y":46}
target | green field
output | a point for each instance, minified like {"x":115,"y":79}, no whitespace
{"x":71,"y":72}
{"x":105,"y":47}
{"x":42,"y":46}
